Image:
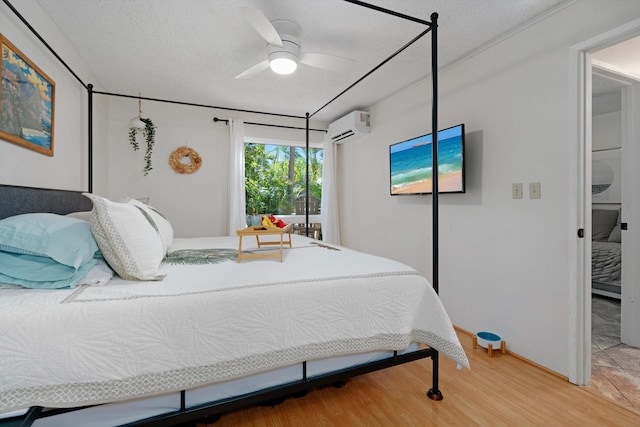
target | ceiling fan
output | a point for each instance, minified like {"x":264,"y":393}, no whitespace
{"x":283,"y":49}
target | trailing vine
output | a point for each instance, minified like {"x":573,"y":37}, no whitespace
{"x":132,"y":139}
{"x":149,"y":133}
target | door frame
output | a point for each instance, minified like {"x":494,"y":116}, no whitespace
{"x":630,"y":310}
{"x":580,"y":277}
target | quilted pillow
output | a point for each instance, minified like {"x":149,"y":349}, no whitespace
{"x":128,"y":238}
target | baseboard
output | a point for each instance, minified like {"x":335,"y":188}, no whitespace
{"x":519,"y":357}
{"x":556,"y":374}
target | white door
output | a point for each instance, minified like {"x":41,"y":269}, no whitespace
{"x":630,"y":314}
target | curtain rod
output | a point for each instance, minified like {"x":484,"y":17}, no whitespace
{"x":215,"y":119}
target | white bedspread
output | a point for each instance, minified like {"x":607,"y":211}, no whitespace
{"x":212,"y":322}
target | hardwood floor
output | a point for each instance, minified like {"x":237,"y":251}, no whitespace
{"x":499,"y":391}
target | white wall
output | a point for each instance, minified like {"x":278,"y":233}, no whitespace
{"x":606,"y":140}
{"x":195,"y":204}
{"x":606,"y":131}
{"x":67,"y":169}
{"x":504,"y":263}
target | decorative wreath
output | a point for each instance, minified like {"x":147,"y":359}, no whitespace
{"x":175,"y":160}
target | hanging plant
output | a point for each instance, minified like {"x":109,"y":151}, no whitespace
{"x":132,"y":139}
{"x":149,"y":133}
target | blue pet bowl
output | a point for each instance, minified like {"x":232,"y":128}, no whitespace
{"x":486,"y":338}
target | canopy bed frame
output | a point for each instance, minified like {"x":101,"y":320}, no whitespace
{"x":25,"y":200}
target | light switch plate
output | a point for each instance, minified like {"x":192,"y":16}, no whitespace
{"x":534,"y":190}
{"x":516,"y":190}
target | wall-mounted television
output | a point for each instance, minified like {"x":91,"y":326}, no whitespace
{"x":410,"y":163}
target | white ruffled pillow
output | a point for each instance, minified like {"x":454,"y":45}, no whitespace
{"x":128,"y":238}
{"x":164,"y":226}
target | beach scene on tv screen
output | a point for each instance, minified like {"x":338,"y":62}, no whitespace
{"x":411,"y":165}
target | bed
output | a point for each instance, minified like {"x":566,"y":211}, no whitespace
{"x":606,"y":253}
{"x":205,"y":334}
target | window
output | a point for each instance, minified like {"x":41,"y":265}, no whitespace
{"x":275,"y":177}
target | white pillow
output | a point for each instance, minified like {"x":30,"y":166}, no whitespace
{"x":85,"y":216}
{"x":164,"y":226}
{"x":99,"y":275}
{"x":128,"y":238}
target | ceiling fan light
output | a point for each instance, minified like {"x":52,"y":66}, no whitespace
{"x":283,"y":63}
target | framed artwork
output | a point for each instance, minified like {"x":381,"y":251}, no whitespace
{"x":606,"y":176}
{"x":26,"y":101}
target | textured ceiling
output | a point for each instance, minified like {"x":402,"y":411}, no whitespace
{"x":191,"y":50}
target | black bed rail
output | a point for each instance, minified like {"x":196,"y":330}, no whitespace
{"x":25,"y":420}
{"x":274,"y":393}
{"x":219,"y":407}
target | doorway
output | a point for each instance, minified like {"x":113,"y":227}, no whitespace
{"x":606,"y":180}
{"x":612,"y":148}
{"x":580,"y":290}
{"x":615,"y":150}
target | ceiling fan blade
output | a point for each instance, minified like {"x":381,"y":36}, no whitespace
{"x":260,"y":66}
{"x":262,"y":25}
{"x":327,"y":62}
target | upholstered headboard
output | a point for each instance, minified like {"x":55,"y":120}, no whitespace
{"x":16,"y":200}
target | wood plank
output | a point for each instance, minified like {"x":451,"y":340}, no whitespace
{"x":501,"y":390}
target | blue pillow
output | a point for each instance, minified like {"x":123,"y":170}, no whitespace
{"x":40,"y":272}
{"x":64,"y":239}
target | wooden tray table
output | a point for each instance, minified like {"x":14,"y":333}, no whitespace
{"x":260,"y":230}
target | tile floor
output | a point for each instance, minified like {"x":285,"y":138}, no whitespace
{"x":615,"y":367}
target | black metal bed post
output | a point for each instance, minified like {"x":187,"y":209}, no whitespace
{"x":306,"y":198}
{"x":434,"y":393}
{"x":434,"y":146}
{"x":90,"y":138}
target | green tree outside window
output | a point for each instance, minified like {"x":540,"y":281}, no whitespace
{"x":275,"y":176}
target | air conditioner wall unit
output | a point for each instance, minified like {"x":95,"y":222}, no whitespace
{"x":350,"y":127}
